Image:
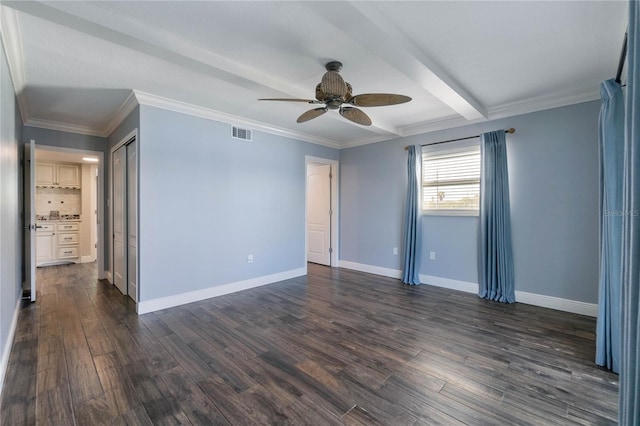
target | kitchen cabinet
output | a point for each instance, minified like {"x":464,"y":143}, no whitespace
{"x":57,"y":241}
{"x":58,"y":175}
{"x":45,"y":243}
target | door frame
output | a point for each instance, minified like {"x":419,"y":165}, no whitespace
{"x":100,"y":195}
{"x":335,"y":206}
{"x":29,"y":223}
{"x":124,"y":141}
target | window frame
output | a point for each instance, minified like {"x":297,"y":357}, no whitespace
{"x":452,"y":148}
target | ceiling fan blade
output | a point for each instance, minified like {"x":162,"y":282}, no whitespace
{"x":355,"y":115}
{"x":378,"y":99}
{"x":308,"y":101}
{"x":311,"y":114}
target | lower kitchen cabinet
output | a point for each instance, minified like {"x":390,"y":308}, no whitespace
{"x":57,"y":242}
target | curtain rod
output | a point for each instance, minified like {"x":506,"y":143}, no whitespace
{"x":623,"y":57}
{"x":511,"y":130}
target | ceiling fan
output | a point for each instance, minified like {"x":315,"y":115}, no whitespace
{"x":334,"y":93}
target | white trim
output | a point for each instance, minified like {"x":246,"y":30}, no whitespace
{"x":62,"y":127}
{"x":87,"y":259}
{"x":6,"y":351}
{"x":121,"y":114}
{"x":467,"y":287}
{"x":144,"y":307}
{"x":210,"y":114}
{"x":10,"y":29}
{"x":542,"y":103}
{"x":573,"y":306}
{"x":540,"y":300}
{"x":335,"y":206}
{"x":107,"y":275}
{"x":371,"y":269}
{"x":100,"y":196}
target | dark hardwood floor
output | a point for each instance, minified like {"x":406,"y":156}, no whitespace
{"x":335,"y":347}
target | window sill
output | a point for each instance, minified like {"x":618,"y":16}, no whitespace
{"x":475,"y":213}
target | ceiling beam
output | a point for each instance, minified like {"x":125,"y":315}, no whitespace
{"x":91,"y":19}
{"x":366,"y":24}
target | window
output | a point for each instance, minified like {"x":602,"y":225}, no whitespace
{"x":451,"y":178}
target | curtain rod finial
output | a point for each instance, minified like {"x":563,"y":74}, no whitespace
{"x":511,"y":130}
{"x":406,"y":148}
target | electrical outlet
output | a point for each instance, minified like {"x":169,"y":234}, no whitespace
{"x":395,"y":251}
{"x":432,"y":255}
{"x":250,"y":258}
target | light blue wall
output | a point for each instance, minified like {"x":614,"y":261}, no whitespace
{"x":10,"y":206}
{"x":207,"y":201}
{"x":60,"y":139}
{"x":553,"y":167}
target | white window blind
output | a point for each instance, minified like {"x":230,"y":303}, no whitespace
{"x":451,"y":179}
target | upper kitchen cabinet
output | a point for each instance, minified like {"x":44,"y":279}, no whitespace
{"x":58,"y":175}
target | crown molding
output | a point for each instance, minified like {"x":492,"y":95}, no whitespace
{"x":12,"y":42}
{"x":210,"y":114}
{"x":444,"y":123}
{"x":502,"y":111}
{"x":543,"y":102}
{"x":63,"y":127}
{"x":123,"y":111}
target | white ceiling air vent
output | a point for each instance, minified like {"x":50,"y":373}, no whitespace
{"x":239,"y":133}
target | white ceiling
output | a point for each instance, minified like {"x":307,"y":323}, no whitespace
{"x":80,"y":66}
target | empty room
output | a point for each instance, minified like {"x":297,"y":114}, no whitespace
{"x":319,"y":212}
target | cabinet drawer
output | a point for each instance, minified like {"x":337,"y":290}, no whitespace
{"x":67,"y":252}
{"x":65,"y":239}
{"x":46,"y":227}
{"x":68,"y":227}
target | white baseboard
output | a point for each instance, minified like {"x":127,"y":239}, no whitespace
{"x":466,"y":286}
{"x":371,"y":269}
{"x":573,"y":306}
{"x":147,"y":306}
{"x":87,"y":259}
{"x":6,"y":351}
{"x":566,"y":305}
{"x":107,"y":275}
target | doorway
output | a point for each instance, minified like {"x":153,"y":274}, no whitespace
{"x":321,"y":220}
{"x":124,"y":216}
{"x":65,"y":208}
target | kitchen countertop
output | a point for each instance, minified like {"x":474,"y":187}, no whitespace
{"x":57,"y":220}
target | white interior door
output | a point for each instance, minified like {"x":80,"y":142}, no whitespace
{"x":132,"y":219}
{"x":119,"y":219}
{"x":94,"y":213}
{"x":319,"y":214}
{"x":29,"y":219}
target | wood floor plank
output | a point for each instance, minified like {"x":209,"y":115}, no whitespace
{"x":54,"y":407}
{"x":334,"y":347}
{"x":83,"y":377}
{"x":94,"y":411}
{"x":194,"y":403}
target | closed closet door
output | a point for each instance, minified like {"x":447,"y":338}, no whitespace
{"x":119,"y":219}
{"x":132,"y":220}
